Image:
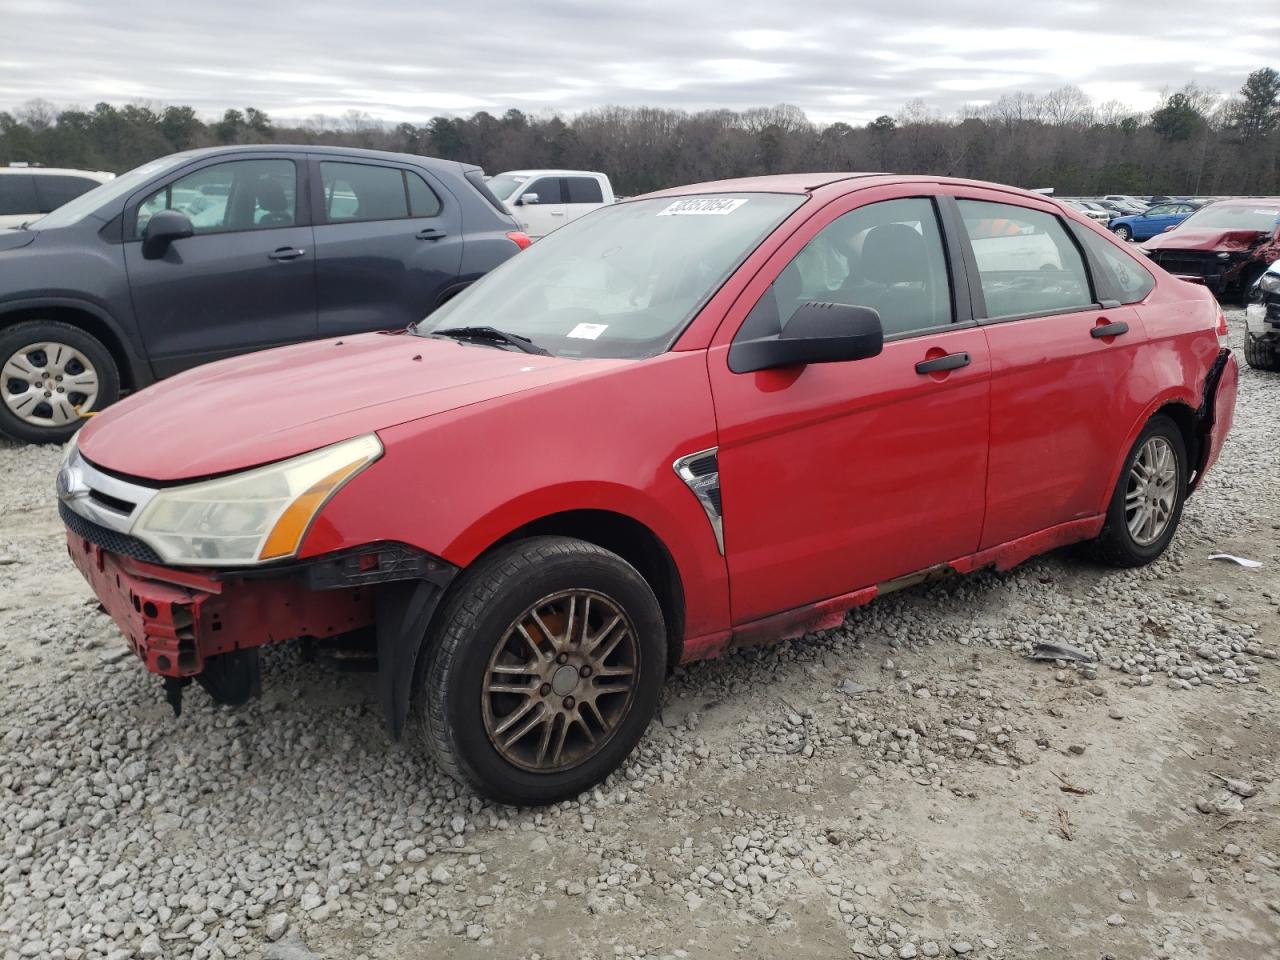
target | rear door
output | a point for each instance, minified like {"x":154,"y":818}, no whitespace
{"x":388,"y":244}
{"x":1155,"y":220}
{"x":1061,"y":398}
{"x":582,"y":195}
{"x":18,"y":202}
{"x":55,"y":189}
{"x":837,"y":476}
{"x":244,"y":281}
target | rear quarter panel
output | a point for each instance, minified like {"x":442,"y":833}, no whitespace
{"x":455,"y":483}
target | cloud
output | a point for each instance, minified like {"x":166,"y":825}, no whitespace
{"x":408,"y":60}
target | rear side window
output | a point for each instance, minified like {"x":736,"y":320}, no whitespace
{"x":360,"y":191}
{"x":17,"y":195}
{"x":1127,"y":280}
{"x":423,"y":201}
{"x":55,"y":190}
{"x":584,"y":190}
{"x":1027,"y":263}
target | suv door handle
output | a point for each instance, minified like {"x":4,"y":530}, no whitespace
{"x":286,"y":253}
{"x":430,"y":233}
{"x":952,"y":361}
{"x":1119,"y":328}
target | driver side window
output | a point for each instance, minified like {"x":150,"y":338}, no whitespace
{"x":237,"y":195}
{"x":887,"y":256}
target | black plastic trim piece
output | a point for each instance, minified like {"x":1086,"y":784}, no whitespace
{"x":109,"y":540}
{"x":1117,"y":329}
{"x":952,"y":361}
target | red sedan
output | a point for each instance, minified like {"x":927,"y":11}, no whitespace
{"x":715,"y":416}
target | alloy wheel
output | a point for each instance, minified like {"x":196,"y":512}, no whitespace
{"x":48,"y":384}
{"x":560,"y":681}
{"x":1151,"y":491}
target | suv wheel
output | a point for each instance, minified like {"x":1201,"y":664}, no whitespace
{"x":1147,"y":502}
{"x":52,"y":373}
{"x":543,"y":670}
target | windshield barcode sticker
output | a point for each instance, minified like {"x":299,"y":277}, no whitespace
{"x":702,"y":207}
{"x":588,"y":331}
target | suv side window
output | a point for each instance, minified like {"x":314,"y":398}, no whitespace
{"x":232,"y":196}
{"x":584,"y":190}
{"x":1027,"y":262}
{"x":548,"y":189}
{"x":355,"y":192}
{"x":423,"y":201}
{"x":1128,"y":280}
{"x":17,"y":195}
{"x":56,"y":189}
{"x":887,"y":256}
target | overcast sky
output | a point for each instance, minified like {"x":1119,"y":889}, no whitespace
{"x":412,"y":59}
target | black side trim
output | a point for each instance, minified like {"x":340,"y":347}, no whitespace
{"x":402,"y":613}
{"x":107,"y":539}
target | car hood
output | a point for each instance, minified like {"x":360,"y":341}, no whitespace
{"x":15,"y":239}
{"x":267,"y":406}
{"x":1189,"y":238}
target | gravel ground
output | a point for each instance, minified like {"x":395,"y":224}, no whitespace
{"x":910,"y":785}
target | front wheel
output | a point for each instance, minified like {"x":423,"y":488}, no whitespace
{"x":1123,"y":232}
{"x":543,"y":670}
{"x":1147,"y":503}
{"x":51,"y":374}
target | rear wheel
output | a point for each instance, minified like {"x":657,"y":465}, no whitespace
{"x":1147,"y":503}
{"x":52,"y":373}
{"x":543,"y":671}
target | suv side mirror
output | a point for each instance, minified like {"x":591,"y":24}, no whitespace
{"x":816,"y":333}
{"x":161,"y":230}
{"x":528,"y":198}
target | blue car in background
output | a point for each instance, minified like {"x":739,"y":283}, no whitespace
{"x":1153,"y":220}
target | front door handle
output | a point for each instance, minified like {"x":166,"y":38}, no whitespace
{"x":430,"y":233}
{"x":952,"y":361}
{"x":287,"y":253}
{"x":1117,"y":329}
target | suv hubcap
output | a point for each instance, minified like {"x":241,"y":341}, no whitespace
{"x":48,"y":384}
{"x":1150,"y":494}
{"x":560,"y":681}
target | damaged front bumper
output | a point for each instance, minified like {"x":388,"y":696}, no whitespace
{"x":188,"y":624}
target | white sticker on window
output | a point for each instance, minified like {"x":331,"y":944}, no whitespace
{"x":588,"y":331}
{"x":702,"y":207}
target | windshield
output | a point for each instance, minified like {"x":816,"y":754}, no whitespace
{"x":621,"y":282}
{"x":1261,"y":218}
{"x":76,"y":210}
{"x":503,"y":186}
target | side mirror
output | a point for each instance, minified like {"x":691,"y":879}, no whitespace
{"x":816,"y":333}
{"x":528,"y":198}
{"x":162,"y":229}
{"x":1169,"y":227}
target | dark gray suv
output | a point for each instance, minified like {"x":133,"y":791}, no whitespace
{"x":211,"y":253}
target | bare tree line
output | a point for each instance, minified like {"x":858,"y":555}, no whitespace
{"x":1194,"y":142}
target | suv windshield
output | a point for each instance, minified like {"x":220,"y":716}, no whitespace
{"x":76,"y":210}
{"x":504,"y":187}
{"x":621,"y":282}
{"x":1262,"y":218}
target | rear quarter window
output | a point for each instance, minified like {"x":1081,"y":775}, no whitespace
{"x":1120,"y":276}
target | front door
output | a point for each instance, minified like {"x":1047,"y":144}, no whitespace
{"x":388,"y":245}
{"x":839,"y":476}
{"x":1061,"y":367}
{"x":244,"y":281}
{"x":537,"y":219}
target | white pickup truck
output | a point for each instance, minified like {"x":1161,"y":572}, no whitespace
{"x":542,"y":200}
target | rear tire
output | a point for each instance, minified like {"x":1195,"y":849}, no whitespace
{"x":1147,"y":503}
{"x":42,"y":363}
{"x":521,"y":643}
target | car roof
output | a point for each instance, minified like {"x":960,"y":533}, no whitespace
{"x":548,"y":172}
{"x":103,"y":175}
{"x":1244,"y":201}
{"x":354,"y":153}
{"x":801,"y":183}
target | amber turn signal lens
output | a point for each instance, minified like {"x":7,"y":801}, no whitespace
{"x":286,"y":535}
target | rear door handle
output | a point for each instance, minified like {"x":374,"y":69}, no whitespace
{"x":1119,"y":328}
{"x":952,"y":361}
{"x":287,"y":253}
{"x":430,"y":233}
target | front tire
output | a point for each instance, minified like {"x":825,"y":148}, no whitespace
{"x":1147,"y":503}
{"x":52,"y":373}
{"x":1123,"y":232}
{"x":544,"y":668}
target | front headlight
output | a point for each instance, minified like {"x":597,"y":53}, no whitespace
{"x":254,"y":516}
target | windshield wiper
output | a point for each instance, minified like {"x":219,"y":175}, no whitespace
{"x":493,"y":335}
